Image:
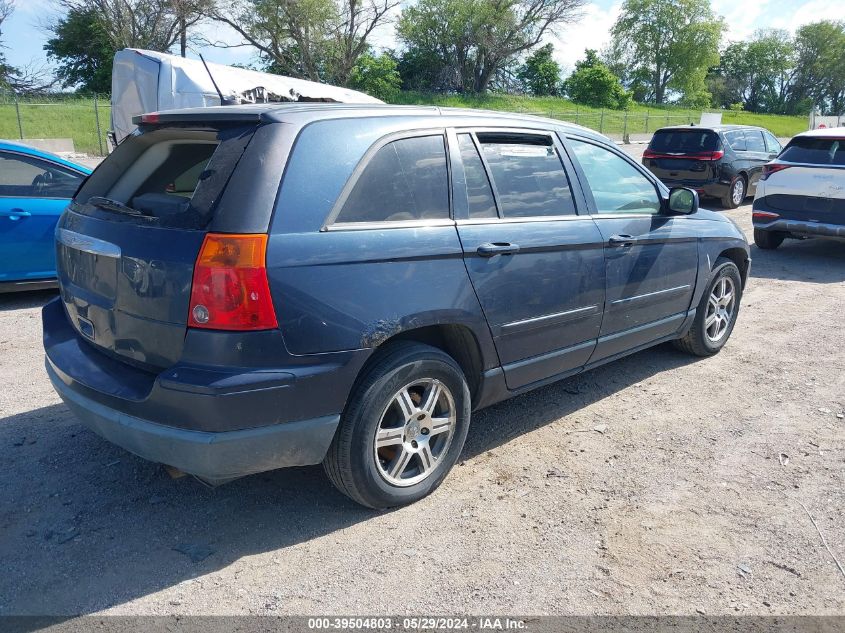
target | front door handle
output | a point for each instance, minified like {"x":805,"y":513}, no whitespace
{"x":14,"y":214}
{"x":622,"y":240}
{"x":497,"y":248}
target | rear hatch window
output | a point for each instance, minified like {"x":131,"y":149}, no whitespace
{"x":815,"y":151}
{"x":684,"y":141}
{"x":127,"y":245}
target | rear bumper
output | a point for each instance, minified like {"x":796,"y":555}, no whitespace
{"x":214,"y":457}
{"x":215,"y":422}
{"x":795,"y":226}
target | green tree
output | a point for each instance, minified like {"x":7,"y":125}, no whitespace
{"x":757,"y":73}
{"x":320,"y":40}
{"x":592,"y":83}
{"x":472,"y":40}
{"x":820,"y":49}
{"x":82,"y":50}
{"x":377,"y":76}
{"x":666,"y":45}
{"x":541,"y":73}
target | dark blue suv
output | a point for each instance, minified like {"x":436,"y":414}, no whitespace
{"x":247,"y":288}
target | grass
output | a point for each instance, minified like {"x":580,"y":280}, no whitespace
{"x":64,"y":116}
{"x":641,"y":119}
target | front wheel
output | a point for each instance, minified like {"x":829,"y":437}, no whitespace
{"x":717,"y":312}
{"x":403,"y":429}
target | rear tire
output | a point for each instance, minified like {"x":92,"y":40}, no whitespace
{"x":403,"y":428}
{"x":768,"y":240}
{"x":716,"y":316}
{"x":736,"y":193}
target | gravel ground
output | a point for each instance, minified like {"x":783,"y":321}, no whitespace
{"x":659,"y":484}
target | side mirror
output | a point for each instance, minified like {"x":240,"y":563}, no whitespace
{"x":683,"y":201}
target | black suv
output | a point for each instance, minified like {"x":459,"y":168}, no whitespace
{"x":253,"y":287}
{"x":724,"y":161}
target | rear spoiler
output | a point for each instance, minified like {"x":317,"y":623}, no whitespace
{"x":216,"y":116}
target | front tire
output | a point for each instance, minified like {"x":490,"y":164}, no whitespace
{"x":403,"y":429}
{"x":717,"y":312}
{"x":768,"y":240}
{"x":736,"y":193}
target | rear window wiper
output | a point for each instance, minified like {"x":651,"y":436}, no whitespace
{"x":108,"y":204}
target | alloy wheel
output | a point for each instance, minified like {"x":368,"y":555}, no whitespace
{"x":721,"y":306}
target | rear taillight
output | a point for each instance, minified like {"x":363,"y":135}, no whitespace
{"x":772,"y":168}
{"x":230,"y":290}
{"x":764,"y":216}
{"x":695,"y":156}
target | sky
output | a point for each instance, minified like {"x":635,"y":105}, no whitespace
{"x":24,"y":34}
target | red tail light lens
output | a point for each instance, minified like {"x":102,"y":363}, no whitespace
{"x":772,"y":168}
{"x":230,"y":289}
{"x":764,"y":216}
{"x":696,"y":156}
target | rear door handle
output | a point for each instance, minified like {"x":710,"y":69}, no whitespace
{"x":622,"y":240}
{"x":497,"y":248}
{"x":14,"y":214}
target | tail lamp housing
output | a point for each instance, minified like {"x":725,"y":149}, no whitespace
{"x":230,"y":289}
{"x":772,"y":168}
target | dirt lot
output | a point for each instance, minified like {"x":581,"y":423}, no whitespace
{"x":658,"y":484}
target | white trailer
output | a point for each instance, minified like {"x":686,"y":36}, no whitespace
{"x":147,"y":81}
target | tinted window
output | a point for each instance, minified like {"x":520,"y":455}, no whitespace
{"x":754,"y":141}
{"x":404,"y":180}
{"x":617,"y":186}
{"x":736,"y":140}
{"x":479,"y":193}
{"x":529,"y":177}
{"x":816,"y":151}
{"x":690,"y":141}
{"x":772,"y":144}
{"x":27,"y":177}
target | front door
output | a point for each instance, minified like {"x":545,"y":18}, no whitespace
{"x":651,"y":259}
{"x":536,"y":264}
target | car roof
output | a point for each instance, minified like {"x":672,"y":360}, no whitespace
{"x":22,"y":148}
{"x":309,"y":112}
{"x":838,"y":132}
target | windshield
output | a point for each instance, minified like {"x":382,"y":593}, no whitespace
{"x":816,"y":151}
{"x":684,"y":141}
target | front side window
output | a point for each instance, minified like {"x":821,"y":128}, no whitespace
{"x":404,"y":180}
{"x":617,"y":186}
{"x":528,"y":175}
{"x":27,"y":177}
{"x":772,"y":144}
{"x":754,"y":141}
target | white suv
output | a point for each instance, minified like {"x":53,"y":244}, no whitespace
{"x":802,"y":192}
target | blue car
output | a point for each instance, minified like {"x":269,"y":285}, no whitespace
{"x":35,"y":187}
{"x":250,"y":287}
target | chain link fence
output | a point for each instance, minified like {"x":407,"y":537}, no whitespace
{"x":86,"y":120}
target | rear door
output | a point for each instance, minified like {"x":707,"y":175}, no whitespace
{"x":33,"y":194}
{"x":536,"y":264}
{"x":651,"y":259}
{"x":127,"y":245}
{"x":683,"y":155}
{"x":758,"y":155}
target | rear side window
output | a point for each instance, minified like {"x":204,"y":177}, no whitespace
{"x":528,"y":175}
{"x":736,"y":140}
{"x":684,"y":141}
{"x":27,"y":177}
{"x":754,"y":141}
{"x":815,"y":151}
{"x":405,"y":180}
{"x":479,"y":193}
{"x":172,"y":176}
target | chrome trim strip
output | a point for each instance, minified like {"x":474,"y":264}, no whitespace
{"x":87,"y":244}
{"x":548,"y":319}
{"x":400,"y":224}
{"x":651,"y":295}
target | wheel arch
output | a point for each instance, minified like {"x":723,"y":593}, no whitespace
{"x":739,"y":257}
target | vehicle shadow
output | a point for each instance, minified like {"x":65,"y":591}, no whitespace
{"x":85,"y":526}
{"x":26,"y":299}
{"x":815,"y":260}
